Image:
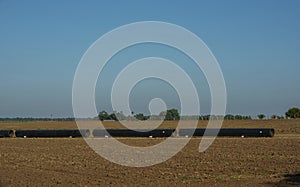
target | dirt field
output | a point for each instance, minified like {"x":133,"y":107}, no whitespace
{"x":281,"y":126}
{"x":228,"y":162}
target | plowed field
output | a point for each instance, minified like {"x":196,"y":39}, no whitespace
{"x":228,"y":162}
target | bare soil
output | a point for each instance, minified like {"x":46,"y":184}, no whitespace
{"x":228,"y":162}
{"x":290,"y":126}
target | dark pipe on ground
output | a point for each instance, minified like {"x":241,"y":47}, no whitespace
{"x":132,"y":133}
{"x":52,"y":133}
{"x":230,"y":132}
{"x":4,"y":133}
{"x":242,"y":132}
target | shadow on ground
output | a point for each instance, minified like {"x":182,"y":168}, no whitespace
{"x":289,"y":180}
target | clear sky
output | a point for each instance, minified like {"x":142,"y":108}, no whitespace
{"x":256,"y":43}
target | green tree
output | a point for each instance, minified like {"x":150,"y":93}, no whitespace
{"x":103,"y":115}
{"x":261,"y":116}
{"x":229,"y":117}
{"x":239,"y":117}
{"x":171,"y":114}
{"x":293,"y":113}
{"x":141,"y":116}
{"x":113,"y":116}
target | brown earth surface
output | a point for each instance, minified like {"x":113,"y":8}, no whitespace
{"x":228,"y":162}
{"x":290,"y":126}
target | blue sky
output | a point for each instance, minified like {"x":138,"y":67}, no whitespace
{"x":255,"y":42}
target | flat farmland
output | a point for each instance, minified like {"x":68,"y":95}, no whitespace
{"x":228,"y":162}
{"x":285,"y":127}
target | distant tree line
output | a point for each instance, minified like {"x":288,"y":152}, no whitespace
{"x":171,"y":114}
{"x":168,"y":115}
{"x":292,"y":113}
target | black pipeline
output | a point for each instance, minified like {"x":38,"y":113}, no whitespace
{"x":241,"y":132}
